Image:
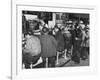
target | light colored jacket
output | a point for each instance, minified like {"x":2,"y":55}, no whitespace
{"x":85,"y":39}
{"x":33,"y":46}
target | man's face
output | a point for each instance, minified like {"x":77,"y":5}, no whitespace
{"x":33,"y":24}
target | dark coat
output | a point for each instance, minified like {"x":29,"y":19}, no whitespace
{"x":60,"y":41}
{"x":76,"y":45}
{"x":48,"y":46}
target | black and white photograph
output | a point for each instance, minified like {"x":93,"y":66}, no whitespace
{"x":55,"y":39}
{"x":50,"y":40}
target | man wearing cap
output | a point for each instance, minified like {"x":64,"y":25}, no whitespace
{"x":48,"y":50}
{"x":60,"y":39}
{"x":76,"y":40}
{"x":67,"y":37}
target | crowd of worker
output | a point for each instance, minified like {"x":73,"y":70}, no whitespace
{"x":39,"y":40}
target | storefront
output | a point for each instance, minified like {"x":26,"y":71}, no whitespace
{"x":52,"y":18}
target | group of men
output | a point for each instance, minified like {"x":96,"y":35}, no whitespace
{"x":41,"y":41}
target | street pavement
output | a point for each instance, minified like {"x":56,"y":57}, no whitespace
{"x":68,"y":63}
{"x":72,"y":63}
{"x":62,"y":62}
